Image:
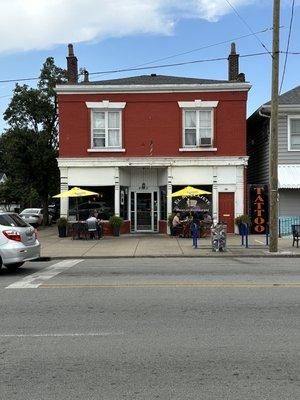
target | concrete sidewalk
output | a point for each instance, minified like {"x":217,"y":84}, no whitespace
{"x":155,"y":245}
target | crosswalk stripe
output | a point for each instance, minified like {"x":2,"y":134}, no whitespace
{"x":35,"y":280}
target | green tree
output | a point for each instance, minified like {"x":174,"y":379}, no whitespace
{"x":28,"y":148}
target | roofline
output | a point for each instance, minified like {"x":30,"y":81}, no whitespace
{"x":164,"y":88}
{"x":283,"y":107}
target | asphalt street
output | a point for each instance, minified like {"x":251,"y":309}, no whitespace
{"x":151,"y":329}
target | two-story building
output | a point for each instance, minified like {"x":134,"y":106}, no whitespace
{"x":258,"y":133}
{"x":136,"y":140}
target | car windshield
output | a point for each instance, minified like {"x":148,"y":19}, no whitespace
{"x":31,"y":211}
{"x":12,"y":220}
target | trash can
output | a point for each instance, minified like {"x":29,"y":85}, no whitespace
{"x":218,"y":237}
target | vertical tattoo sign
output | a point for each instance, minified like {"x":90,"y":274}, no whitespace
{"x":259,"y":208}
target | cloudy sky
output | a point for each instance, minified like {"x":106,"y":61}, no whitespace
{"x":113,"y":34}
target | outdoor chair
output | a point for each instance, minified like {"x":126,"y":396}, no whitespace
{"x":92,"y":227}
{"x":296,"y":234}
{"x":80,"y":231}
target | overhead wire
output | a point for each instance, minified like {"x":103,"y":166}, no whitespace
{"x":288,"y":45}
{"x":203,"y":47}
{"x":181,"y":63}
{"x":159,"y":59}
{"x":248,"y":26}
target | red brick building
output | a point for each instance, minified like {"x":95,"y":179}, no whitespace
{"x":136,"y":140}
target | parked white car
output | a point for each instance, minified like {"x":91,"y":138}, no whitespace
{"x":34,"y":216}
{"x":18,"y":241}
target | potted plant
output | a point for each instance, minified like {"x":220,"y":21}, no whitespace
{"x":62,"y":226}
{"x":115,"y":222}
{"x":244,"y":218}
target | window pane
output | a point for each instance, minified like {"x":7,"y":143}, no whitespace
{"x":113,"y":137}
{"x":295,"y":141}
{"x":190,"y":137}
{"x":205,"y":119}
{"x":295,"y":126}
{"x":205,"y":132}
{"x":190,"y":119}
{"x":98,"y":120}
{"x":99,"y":142}
{"x":113,"y":119}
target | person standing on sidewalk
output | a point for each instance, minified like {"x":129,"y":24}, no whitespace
{"x":195,"y":231}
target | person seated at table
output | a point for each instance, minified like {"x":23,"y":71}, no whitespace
{"x":97,"y":215}
{"x":92,"y":225}
{"x":176,"y":223}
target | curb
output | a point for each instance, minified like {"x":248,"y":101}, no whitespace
{"x":44,"y":259}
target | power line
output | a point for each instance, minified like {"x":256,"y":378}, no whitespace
{"x":181,"y":63}
{"x":248,"y":26}
{"x":288,"y":45}
{"x":202,"y":48}
{"x":162,"y":65}
{"x":161,"y":59}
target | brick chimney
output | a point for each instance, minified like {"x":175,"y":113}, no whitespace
{"x":233,"y":64}
{"x":72,"y":66}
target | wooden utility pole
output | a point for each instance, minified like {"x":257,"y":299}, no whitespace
{"x":273,"y":149}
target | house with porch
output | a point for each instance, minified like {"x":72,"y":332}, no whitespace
{"x":136,"y":140}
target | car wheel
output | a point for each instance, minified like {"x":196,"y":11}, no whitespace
{"x":14,"y":267}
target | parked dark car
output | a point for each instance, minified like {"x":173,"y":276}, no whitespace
{"x":85,"y":209}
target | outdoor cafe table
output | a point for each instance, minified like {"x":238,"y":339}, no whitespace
{"x":79,"y":230}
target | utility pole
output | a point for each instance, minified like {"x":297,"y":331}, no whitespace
{"x":273,"y":149}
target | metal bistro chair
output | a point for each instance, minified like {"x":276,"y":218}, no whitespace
{"x":92,"y":227}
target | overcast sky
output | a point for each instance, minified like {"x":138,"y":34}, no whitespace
{"x":112,"y":34}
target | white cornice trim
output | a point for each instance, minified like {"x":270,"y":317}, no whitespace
{"x":105,"y":104}
{"x":197,"y":104}
{"x":166,"y":88}
{"x":106,"y":150}
{"x":198,"y":149}
{"x":151,"y":162}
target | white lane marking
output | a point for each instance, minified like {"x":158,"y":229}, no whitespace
{"x":59,"y":335}
{"x":33,"y":281}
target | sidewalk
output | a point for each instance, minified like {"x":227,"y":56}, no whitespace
{"x":155,"y":245}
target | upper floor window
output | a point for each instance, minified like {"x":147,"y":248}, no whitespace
{"x":106,"y":126}
{"x":294,"y":133}
{"x":106,"y":131}
{"x":198,"y":126}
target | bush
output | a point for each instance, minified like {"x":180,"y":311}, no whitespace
{"x":242,"y":219}
{"x":115,"y":221}
{"x":61,"y":222}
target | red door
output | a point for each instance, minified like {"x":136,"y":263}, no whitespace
{"x":226,"y":210}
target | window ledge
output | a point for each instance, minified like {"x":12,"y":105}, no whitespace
{"x":106,"y":150}
{"x":198,"y":149}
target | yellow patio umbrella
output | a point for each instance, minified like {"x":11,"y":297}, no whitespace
{"x":189,"y":191}
{"x":76,"y":192}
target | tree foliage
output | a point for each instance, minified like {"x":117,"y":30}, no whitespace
{"x":28,"y":148}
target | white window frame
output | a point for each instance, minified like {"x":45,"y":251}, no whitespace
{"x":290,"y":117}
{"x":198,"y":106}
{"x":106,"y":106}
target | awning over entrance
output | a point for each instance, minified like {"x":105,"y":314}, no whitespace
{"x":289,"y":176}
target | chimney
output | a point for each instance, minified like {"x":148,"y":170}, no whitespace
{"x":233,"y":64}
{"x":72,"y":67}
